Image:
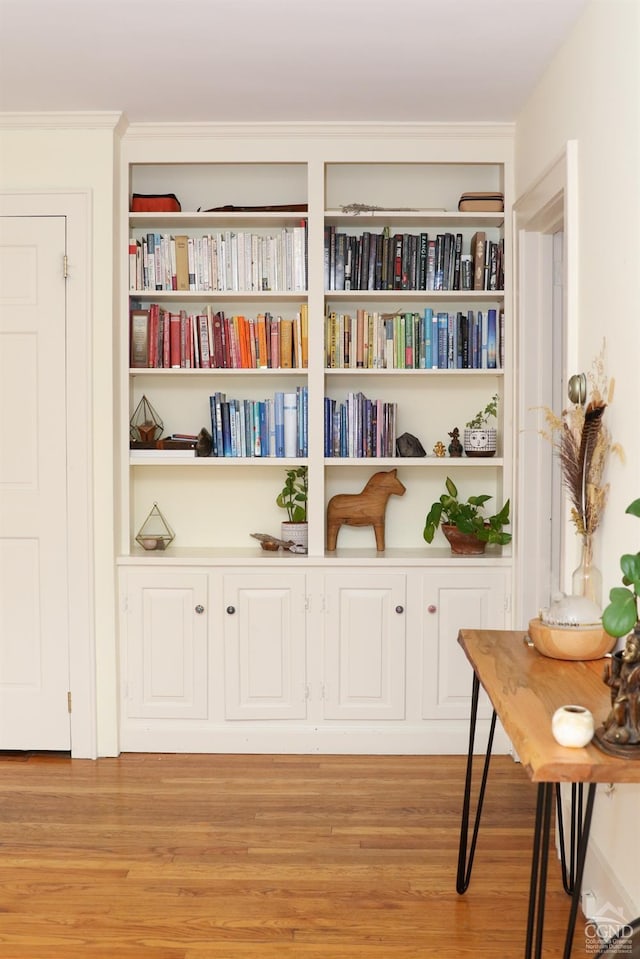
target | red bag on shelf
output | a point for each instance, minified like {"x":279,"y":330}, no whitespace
{"x":155,"y":203}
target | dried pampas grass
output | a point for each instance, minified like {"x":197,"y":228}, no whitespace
{"x":583,"y":444}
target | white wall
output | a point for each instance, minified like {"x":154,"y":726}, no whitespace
{"x":591,"y":93}
{"x":76,"y":152}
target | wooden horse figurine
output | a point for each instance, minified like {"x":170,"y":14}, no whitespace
{"x":363,"y":509}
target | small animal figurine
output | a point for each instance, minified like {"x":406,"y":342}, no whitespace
{"x":440,"y":449}
{"x":455,"y":446}
{"x":366,"y":508}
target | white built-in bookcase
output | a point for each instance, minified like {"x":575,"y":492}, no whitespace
{"x":216,"y":503}
{"x":224,"y":646}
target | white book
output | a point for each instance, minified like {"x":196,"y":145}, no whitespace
{"x":290,"y":425}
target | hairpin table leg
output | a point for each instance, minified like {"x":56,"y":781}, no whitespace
{"x":465,"y":866}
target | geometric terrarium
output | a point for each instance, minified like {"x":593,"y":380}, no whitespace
{"x":145,"y":425}
{"x":155,"y":532}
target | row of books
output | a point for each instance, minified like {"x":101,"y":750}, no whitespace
{"x":161,"y":339}
{"x":276,"y":426}
{"x":359,"y":427}
{"x":228,"y":260}
{"x":410,"y":261}
{"x":469,"y":340}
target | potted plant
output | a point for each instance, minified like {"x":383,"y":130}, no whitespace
{"x":619,"y":734}
{"x":621,"y":615}
{"x":464,"y":524}
{"x":480,"y":439}
{"x":293,"y":499}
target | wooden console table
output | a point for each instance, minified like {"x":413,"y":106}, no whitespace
{"x":525,"y":689}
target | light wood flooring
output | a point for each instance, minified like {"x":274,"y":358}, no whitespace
{"x":263,"y":857}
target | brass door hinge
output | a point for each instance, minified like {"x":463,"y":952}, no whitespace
{"x":69,"y":702}
{"x":65,"y":266}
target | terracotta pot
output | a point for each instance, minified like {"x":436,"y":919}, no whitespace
{"x":464,"y":544}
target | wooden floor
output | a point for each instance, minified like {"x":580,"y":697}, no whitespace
{"x":263,"y":857}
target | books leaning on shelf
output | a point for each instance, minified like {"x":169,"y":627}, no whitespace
{"x":276,"y":426}
{"x":359,"y":427}
{"x":162,"y":339}
{"x":168,"y":447}
{"x":431,"y":339}
{"x":410,"y":261}
{"x":228,"y":260}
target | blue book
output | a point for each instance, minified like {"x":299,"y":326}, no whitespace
{"x":278,"y":412}
{"x":443,"y":341}
{"x":329,"y":406}
{"x":264,"y":428}
{"x":492,"y":340}
{"x":426,"y":332}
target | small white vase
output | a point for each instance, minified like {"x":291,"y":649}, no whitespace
{"x":297,"y":533}
{"x":572,"y":726}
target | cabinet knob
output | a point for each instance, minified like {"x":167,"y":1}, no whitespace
{"x":432,"y":609}
{"x":199,"y":609}
{"x":399,"y":609}
{"x":231,"y":610}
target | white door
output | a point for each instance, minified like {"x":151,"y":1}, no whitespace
{"x":365,"y":638}
{"x":454,"y":599}
{"x":264,"y":646}
{"x":164,"y":655}
{"x":34,"y":628}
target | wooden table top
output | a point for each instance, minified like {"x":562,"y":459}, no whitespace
{"x":526,"y":688}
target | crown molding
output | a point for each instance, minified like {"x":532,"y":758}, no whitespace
{"x":306,"y":131}
{"x":60,"y":120}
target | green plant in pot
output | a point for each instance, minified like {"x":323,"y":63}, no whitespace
{"x":480,"y":439}
{"x":621,"y":615}
{"x":293,"y":498}
{"x":619,"y":734}
{"x":464,"y":523}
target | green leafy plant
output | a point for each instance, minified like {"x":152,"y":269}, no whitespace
{"x":294,"y":494}
{"x":467,"y":516}
{"x":482,"y":417}
{"x":621,"y":615}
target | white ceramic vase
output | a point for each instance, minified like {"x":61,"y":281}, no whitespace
{"x":297,"y":533}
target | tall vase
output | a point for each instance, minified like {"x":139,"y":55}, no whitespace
{"x":586,"y":579}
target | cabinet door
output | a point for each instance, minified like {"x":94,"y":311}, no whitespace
{"x":165,"y":651}
{"x":453,"y":599}
{"x":264,"y":646}
{"x":364,"y":646}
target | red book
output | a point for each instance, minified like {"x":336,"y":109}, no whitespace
{"x":203,"y":341}
{"x":218,"y":341}
{"x":174,"y":337}
{"x":154,"y":319}
{"x":166,"y":339}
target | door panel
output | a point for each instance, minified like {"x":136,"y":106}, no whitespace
{"x":166,"y":654}
{"x":365,"y":646}
{"x":452,"y":601}
{"x":34,"y":638}
{"x":265,"y":646}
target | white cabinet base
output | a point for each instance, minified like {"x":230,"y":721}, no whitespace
{"x":302,"y":659}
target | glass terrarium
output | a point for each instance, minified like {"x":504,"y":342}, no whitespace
{"x":145,"y":425}
{"x":155,"y":532}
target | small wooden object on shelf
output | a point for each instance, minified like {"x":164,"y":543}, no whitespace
{"x":366,"y":508}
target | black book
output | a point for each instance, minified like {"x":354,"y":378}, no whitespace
{"x":422,"y":261}
{"x":341,"y":242}
{"x":457,"y":262}
{"x":364,"y":261}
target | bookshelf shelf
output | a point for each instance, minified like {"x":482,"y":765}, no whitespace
{"x":414,"y":218}
{"x":416,"y":462}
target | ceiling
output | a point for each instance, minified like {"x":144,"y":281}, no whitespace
{"x":279,"y":60}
